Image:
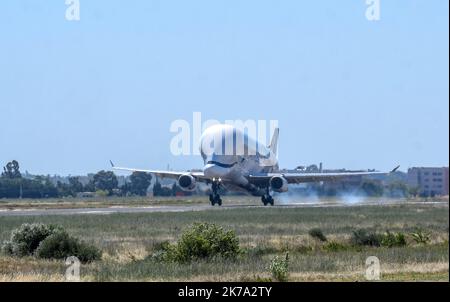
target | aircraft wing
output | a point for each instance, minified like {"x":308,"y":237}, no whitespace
{"x":163,"y":174}
{"x":296,"y":178}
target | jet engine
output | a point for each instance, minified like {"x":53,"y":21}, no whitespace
{"x":278,"y":184}
{"x":186,"y":182}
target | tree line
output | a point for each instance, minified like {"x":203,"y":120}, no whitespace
{"x":13,"y":185}
{"x":105,"y":183}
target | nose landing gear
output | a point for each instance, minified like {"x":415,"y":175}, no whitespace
{"x":215,"y":197}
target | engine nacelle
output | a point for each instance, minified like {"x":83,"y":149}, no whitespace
{"x":186,"y":182}
{"x":278,"y":184}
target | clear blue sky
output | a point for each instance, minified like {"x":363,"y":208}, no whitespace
{"x":347,"y":92}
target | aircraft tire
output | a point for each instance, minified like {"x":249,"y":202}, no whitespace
{"x":217,"y":200}
{"x":264,"y":200}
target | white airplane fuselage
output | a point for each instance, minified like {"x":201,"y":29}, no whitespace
{"x":230,"y":155}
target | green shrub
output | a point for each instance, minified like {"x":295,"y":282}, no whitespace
{"x":164,"y":252}
{"x":205,"y":240}
{"x":391,"y":239}
{"x":261,"y":279}
{"x":101,"y":193}
{"x":160,"y":246}
{"x":47,"y":241}
{"x":200,"y":241}
{"x":7,"y":248}
{"x":25,"y":239}
{"x":420,"y":236}
{"x":61,"y":245}
{"x":87,"y":252}
{"x":363,"y":237}
{"x":279,"y":268}
{"x":317,"y":234}
{"x":334,"y":246}
{"x":57,"y":246}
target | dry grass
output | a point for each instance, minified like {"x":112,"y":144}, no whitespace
{"x":127,"y":239}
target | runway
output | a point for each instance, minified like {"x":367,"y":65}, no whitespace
{"x":100,"y":211}
{"x":190,"y":208}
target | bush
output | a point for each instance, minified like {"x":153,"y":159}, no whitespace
{"x":87,"y":252}
{"x":60,"y":245}
{"x":317,"y":234}
{"x":420,"y":236}
{"x":164,"y":252}
{"x":7,"y":248}
{"x":201,"y":241}
{"x":47,"y":241}
{"x":391,"y":239}
{"x":364,"y":237}
{"x":204,"y":240}
{"x":334,"y":246}
{"x":279,"y":268}
{"x":101,"y":193}
{"x":25,"y":239}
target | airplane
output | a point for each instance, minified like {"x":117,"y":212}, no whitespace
{"x":235,"y":161}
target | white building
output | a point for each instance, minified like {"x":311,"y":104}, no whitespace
{"x":431,"y":181}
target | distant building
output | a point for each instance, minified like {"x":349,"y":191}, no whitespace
{"x":429,"y":180}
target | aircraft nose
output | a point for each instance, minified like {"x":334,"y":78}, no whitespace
{"x":214,"y":171}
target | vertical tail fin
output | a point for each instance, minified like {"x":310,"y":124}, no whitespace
{"x":274,"y":142}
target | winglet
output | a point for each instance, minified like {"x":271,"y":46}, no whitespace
{"x":112,"y":164}
{"x":274,"y":142}
{"x":395,"y":169}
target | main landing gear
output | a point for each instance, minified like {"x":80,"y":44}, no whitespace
{"x":267,"y":198}
{"x":215,"y":197}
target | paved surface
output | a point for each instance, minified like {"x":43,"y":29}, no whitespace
{"x":188,"y":208}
